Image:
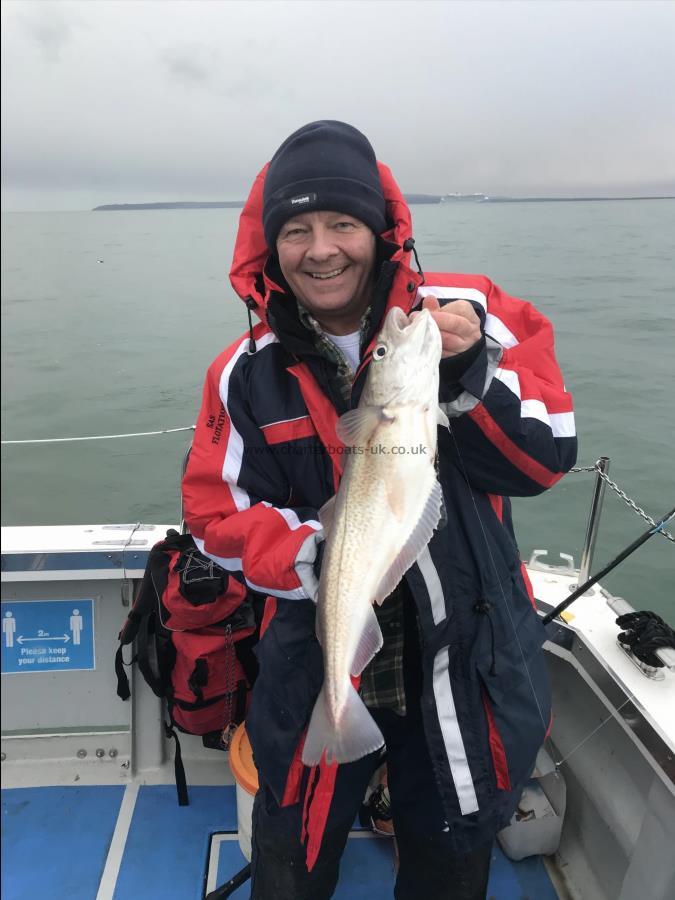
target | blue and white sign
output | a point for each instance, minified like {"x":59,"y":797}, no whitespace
{"x":47,"y":636}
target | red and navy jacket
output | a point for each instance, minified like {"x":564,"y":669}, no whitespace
{"x":266,"y":457}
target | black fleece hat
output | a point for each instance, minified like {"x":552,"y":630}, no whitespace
{"x":325,"y":165}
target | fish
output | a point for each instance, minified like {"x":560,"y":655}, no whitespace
{"x":383,"y":515}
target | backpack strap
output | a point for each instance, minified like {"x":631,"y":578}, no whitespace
{"x":179,"y":769}
{"x":198,"y":679}
{"x":122,"y":681}
{"x":144,"y":638}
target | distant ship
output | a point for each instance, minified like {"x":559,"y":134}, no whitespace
{"x":464,"y":198}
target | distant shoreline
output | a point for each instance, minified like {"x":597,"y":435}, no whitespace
{"x":218,"y":204}
{"x":412,"y":199}
{"x":232,"y":204}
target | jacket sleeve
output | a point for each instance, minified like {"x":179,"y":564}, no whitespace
{"x":235,"y":494}
{"x":512,"y":426}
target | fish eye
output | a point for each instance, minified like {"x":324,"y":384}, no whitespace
{"x":380,"y":351}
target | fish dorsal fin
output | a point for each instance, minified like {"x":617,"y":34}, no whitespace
{"x":369,"y":643}
{"x":356,"y":427}
{"x":420,"y":537}
{"x":326,"y":514}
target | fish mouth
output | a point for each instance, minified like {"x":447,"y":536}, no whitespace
{"x":398,"y":319}
{"x":399,"y":322}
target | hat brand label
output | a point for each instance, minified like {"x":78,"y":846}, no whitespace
{"x":302,"y":200}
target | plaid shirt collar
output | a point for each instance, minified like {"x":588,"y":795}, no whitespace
{"x":331,"y":351}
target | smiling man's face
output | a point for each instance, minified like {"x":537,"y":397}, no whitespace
{"x":328,"y":260}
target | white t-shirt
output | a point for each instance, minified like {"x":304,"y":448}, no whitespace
{"x":349,"y":345}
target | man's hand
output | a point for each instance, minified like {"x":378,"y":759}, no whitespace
{"x":460,"y":329}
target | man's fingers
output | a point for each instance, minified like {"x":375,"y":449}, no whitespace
{"x":449,"y":322}
{"x":430,"y":302}
{"x":459,"y":330}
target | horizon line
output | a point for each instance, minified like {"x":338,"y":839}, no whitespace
{"x":477,"y":197}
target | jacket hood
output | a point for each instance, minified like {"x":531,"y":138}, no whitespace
{"x":248,"y":274}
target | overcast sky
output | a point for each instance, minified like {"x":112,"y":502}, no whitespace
{"x":119,"y":101}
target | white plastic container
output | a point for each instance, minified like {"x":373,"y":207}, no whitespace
{"x":244,"y":820}
{"x":536,"y":825}
{"x":246,"y":779}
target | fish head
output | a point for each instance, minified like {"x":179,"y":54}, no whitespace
{"x":404,"y":365}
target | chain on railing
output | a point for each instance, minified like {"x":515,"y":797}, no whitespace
{"x":624,"y":496}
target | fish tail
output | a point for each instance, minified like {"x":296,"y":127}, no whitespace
{"x":355,"y":734}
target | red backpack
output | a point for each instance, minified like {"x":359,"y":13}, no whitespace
{"x":194,"y":627}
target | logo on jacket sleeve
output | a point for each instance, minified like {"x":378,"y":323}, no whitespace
{"x":218,"y":430}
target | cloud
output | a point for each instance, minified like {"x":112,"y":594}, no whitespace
{"x":51,"y":27}
{"x":189,"y":64}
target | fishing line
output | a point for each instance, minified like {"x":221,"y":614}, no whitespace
{"x":100,"y":437}
{"x":611,"y":716}
{"x":657,"y":529}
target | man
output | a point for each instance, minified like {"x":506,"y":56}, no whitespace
{"x":459,"y":688}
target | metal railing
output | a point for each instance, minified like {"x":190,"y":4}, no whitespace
{"x":618,"y":604}
{"x":588,"y":551}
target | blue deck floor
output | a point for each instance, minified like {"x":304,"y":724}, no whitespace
{"x":56,"y":841}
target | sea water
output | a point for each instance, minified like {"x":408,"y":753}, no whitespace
{"x":110,"y":319}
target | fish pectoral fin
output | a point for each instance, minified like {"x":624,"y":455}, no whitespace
{"x":354,"y":736}
{"x":441,"y":418}
{"x":356,"y":427}
{"x":326,"y":514}
{"x":419,"y":538}
{"x":369,"y":643}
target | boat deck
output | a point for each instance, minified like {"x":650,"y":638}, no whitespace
{"x":118,"y":842}
{"x":89,"y":802}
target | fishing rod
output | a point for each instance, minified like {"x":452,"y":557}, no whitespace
{"x":608,"y":568}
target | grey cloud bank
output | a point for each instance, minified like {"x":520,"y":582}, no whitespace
{"x":114,"y":102}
